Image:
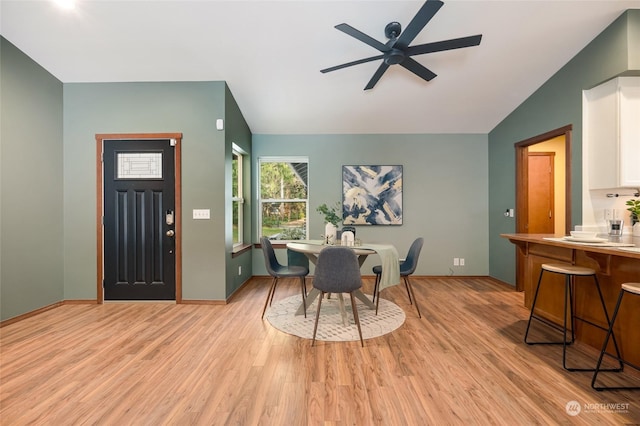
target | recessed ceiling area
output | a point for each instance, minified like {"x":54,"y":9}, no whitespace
{"x":270,"y":53}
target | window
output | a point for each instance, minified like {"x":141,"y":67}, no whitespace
{"x":238,"y":200}
{"x":283,"y":198}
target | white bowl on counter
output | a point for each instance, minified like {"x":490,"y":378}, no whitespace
{"x":584,"y":234}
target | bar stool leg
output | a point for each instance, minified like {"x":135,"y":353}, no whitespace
{"x":533,"y":307}
{"x":604,"y":352}
{"x":569,"y":316}
{"x":532,"y":316}
{"x":573,"y":323}
{"x":609,"y":321}
{"x":568,"y":299}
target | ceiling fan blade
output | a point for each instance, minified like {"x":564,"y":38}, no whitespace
{"x":348,"y":29}
{"x":418,"y":69}
{"x":424,"y":15}
{"x":381,"y":69}
{"x":439,"y":46}
{"x":349,"y":64}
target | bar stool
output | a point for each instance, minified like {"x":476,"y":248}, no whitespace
{"x":632,"y":289}
{"x":570,"y":272}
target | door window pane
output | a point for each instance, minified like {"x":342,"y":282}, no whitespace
{"x":139,"y":165}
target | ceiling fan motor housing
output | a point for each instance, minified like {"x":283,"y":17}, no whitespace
{"x":393,"y":56}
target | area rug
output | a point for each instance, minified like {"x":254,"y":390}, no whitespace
{"x":281,"y":315}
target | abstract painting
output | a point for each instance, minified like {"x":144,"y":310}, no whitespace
{"x":372,"y":195}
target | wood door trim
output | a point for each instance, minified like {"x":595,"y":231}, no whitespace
{"x":100,"y":138}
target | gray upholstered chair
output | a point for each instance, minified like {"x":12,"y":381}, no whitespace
{"x":407,"y":268}
{"x":337,"y":271}
{"x":276,"y":270}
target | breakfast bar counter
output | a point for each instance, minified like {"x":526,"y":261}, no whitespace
{"x":615,"y":260}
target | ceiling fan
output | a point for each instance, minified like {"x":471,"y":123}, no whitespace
{"x":397,"y":49}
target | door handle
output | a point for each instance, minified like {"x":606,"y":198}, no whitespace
{"x":170,"y":233}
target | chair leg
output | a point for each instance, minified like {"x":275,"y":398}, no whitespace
{"x":272,"y":290}
{"x":304,"y":296}
{"x":355,"y":317}
{"x":315,"y":326}
{"x":377,"y":303}
{"x":406,"y":287}
{"x":375,"y":288}
{"x":407,"y":283}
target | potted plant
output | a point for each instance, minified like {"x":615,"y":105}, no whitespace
{"x":332,"y":219}
{"x":634,"y":208}
{"x":331,"y":213}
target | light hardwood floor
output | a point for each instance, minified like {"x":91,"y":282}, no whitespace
{"x":463,"y":363}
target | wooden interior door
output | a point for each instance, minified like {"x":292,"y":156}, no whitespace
{"x":541,"y":219}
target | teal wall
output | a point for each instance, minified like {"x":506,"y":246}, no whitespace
{"x":237,"y":132}
{"x":555,"y":104}
{"x":445,"y":192}
{"x":31,"y":208}
{"x":190,"y":108}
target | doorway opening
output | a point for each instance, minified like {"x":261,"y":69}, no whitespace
{"x":138,"y":216}
{"x":543,"y":200}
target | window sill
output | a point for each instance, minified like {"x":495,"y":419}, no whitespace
{"x":240,"y":249}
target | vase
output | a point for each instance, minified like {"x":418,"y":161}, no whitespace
{"x":636,"y":229}
{"x":330,"y":232}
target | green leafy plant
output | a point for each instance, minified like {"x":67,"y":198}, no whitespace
{"x":634,"y":208}
{"x":331,"y":214}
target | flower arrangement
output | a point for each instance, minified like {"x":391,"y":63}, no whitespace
{"x":634,"y":208}
{"x":331,"y":214}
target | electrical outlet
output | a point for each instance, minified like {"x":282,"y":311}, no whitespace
{"x":456,"y":261}
{"x":462,"y":261}
{"x":239,"y":270}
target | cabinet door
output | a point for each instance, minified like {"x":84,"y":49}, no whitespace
{"x":612,"y":134}
{"x":601,"y":135}
{"x":629,"y":95}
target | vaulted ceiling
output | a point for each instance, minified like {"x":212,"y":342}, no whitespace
{"x":270,"y":53}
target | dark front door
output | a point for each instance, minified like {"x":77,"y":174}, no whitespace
{"x":139,"y":228}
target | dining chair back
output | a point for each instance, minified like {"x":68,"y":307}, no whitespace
{"x":407,"y":268}
{"x":277,"y":270}
{"x":337,"y":271}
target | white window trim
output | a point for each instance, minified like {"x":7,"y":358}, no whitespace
{"x":237,"y":151}
{"x":260,"y":201}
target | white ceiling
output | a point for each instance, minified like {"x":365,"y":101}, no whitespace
{"x":270,"y":54}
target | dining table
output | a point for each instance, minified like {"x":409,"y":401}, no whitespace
{"x":389,"y":260}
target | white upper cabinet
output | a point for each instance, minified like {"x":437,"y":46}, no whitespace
{"x":611,"y":134}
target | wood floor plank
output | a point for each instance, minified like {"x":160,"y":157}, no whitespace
{"x":464,"y":362}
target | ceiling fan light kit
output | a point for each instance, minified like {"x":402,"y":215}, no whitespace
{"x":397,"y":51}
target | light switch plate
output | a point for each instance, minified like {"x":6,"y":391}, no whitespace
{"x":201,"y":214}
